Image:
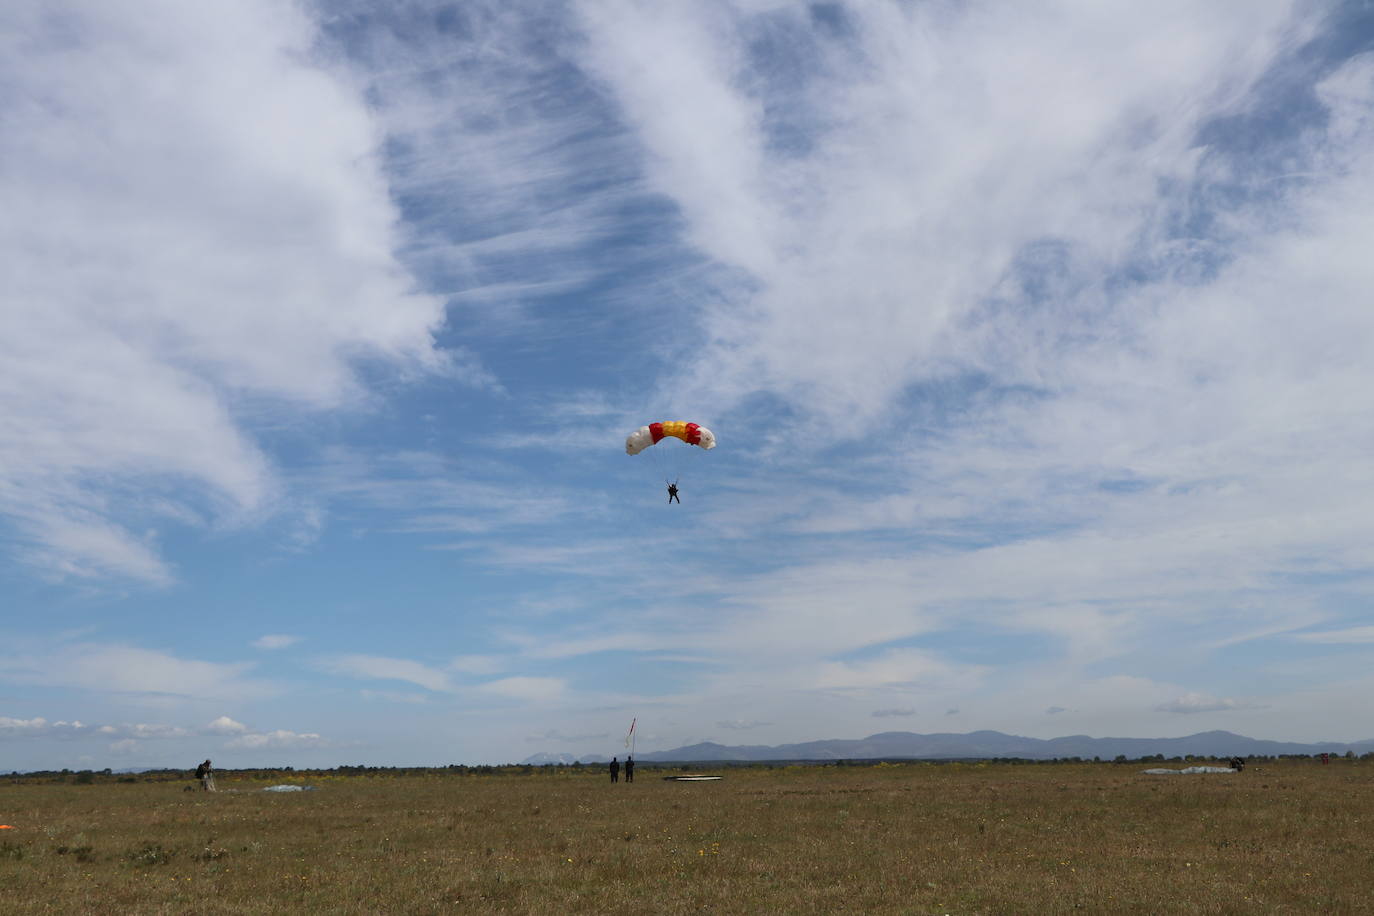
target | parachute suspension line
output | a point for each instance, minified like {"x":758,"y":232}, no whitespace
{"x":670,"y":459}
{"x":667,"y":461}
{"x":660,"y":459}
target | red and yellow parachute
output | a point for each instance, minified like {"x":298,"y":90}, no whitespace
{"x":690,"y":433}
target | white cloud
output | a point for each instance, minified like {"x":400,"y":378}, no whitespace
{"x":377,"y":667}
{"x":554,"y":734}
{"x":426,"y":492}
{"x":226,"y":726}
{"x":279,"y":739}
{"x":876,"y":187}
{"x":741,"y":724}
{"x":39,"y":727}
{"x":196,"y":217}
{"x":145,"y":731}
{"x":530,"y":689}
{"x":1095,"y":705}
{"x":38,"y":723}
{"x":707,"y":150}
{"x":478,"y":664}
{"x":1095,"y":461}
{"x":897,"y":668}
{"x":130,"y":737}
{"x":901,"y":712}
{"x":1347,"y":636}
{"x":275,"y":641}
{"x":373,"y":667}
{"x":572,"y":646}
{"x":394,"y":696}
{"x":540,"y":186}
{"x":1190,"y":703}
{"x":125,"y":669}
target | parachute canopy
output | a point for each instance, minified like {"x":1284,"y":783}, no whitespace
{"x":690,"y":433}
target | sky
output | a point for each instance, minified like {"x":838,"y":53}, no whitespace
{"x":1035,"y":337}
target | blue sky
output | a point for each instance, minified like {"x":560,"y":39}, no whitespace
{"x":1036,"y":343}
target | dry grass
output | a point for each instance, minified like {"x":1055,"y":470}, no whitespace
{"x":979,"y":838}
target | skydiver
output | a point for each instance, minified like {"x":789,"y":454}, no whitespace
{"x":672,"y":493}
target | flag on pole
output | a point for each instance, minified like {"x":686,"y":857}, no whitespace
{"x":631,"y":733}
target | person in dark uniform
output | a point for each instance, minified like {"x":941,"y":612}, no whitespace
{"x":615,"y":770}
{"x":629,"y":769}
{"x":672,"y":493}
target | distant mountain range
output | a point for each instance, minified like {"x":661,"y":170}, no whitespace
{"x":984,"y":744}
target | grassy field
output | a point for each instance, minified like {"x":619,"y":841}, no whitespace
{"x":954,"y":838}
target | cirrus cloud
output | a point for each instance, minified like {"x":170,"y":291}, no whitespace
{"x":173,"y":253}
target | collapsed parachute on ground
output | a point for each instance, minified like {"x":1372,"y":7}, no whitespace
{"x":690,"y":433}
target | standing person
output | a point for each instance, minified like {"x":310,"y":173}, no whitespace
{"x":206,"y":774}
{"x":629,"y":769}
{"x":615,"y":770}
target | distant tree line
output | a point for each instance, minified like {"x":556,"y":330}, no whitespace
{"x":93,"y":777}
